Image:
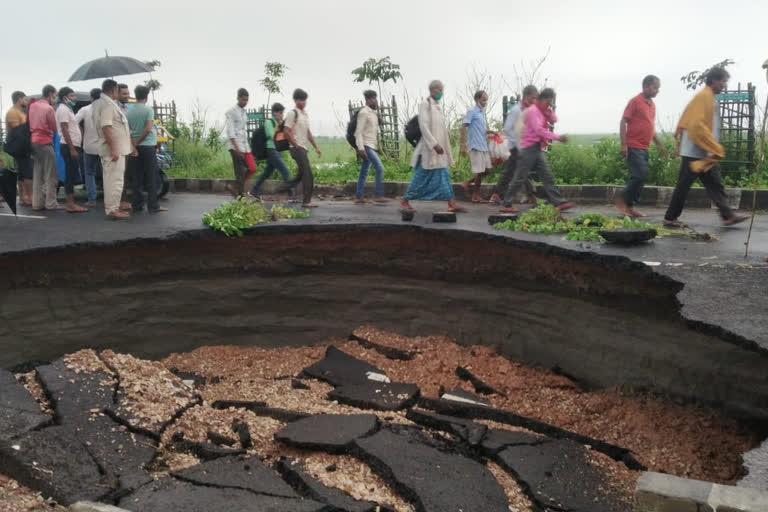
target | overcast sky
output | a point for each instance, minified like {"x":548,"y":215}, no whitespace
{"x":599,"y":50}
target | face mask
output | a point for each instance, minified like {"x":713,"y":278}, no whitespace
{"x":70,"y":104}
{"x":438,"y":96}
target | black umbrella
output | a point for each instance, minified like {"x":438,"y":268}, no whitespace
{"x":107,"y":67}
{"x":8,"y":187}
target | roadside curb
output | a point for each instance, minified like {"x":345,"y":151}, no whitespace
{"x":658,"y":492}
{"x":738,"y":198}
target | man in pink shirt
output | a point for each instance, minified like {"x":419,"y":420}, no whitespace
{"x":42,"y":125}
{"x":535,"y":138}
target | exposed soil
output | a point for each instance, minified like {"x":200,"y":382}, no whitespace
{"x":664,"y":436}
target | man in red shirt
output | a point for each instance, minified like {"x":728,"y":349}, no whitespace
{"x":45,"y":177}
{"x":637,"y":129}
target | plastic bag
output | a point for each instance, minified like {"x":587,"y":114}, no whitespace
{"x":497,"y":145}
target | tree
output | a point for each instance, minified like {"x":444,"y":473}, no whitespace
{"x":695,"y":79}
{"x":274,"y":71}
{"x":152,"y":83}
{"x":381,"y":70}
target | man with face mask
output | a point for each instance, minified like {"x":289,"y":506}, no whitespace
{"x":42,"y":126}
{"x":477,"y":149}
{"x":123,"y":98}
{"x":71,"y":145}
{"x":432,"y":156}
{"x":367,"y":139}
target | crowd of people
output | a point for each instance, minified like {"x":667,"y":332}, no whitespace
{"x":112,"y":137}
{"x":527,"y":128}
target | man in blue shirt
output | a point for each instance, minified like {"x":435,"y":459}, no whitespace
{"x":143,"y":162}
{"x":477,"y":149}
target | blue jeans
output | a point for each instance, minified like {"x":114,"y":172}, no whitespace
{"x":92,"y":169}
{"x":274,"y":161}
{"x":637,"y":162}
{"x":373,"y":159}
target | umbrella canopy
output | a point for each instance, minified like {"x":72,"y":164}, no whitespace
{"x":8,"y":187}
{"x":107,"y":67}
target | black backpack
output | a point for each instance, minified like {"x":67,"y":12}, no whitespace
{"x":18,"y":144}
{"x":351,"y":129}
{"x":412,"y":131}
{"x":259,"y":143}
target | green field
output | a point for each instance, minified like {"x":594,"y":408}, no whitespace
{"x":585,"y":159}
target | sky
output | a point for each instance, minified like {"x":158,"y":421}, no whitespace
{"x":599,"y":50}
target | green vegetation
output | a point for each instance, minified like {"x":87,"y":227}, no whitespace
{"x":232,"y":217}
{"x":546,"y":220}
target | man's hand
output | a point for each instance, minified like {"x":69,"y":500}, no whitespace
{"x":319,"y":153}
{"x":464,"y":151}
{"x":362,"y":154}
{"x":439,"y":149}
{"x":115,"y":155}
{"x":563,"y":138}
{"x":624,"y":150}
{"x":73,"y":153}
{"x":662,"y":150}
{"x":135,"y":152}
{"x":239,"y":154}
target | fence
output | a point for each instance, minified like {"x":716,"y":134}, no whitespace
{"x":737,"y":131}
{"x":256,"y":118}
{"x":389,"y":132}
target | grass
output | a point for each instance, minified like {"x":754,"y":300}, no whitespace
{"x":585,"y":159}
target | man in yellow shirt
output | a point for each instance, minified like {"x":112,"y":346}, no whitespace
{"x":16,"y":116}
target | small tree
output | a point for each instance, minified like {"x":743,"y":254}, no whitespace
{"x":381,"y":70}
{"x":695,"y":79}
{"x":152,"y":83}
{"x":274,"y":71}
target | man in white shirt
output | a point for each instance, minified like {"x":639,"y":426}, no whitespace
{"x":530,"y":93}
{"x":237,"y":137}
{"x":70,"y":145}
{"x":367,"y":140}
{"x":91,"y":158}
{"x":298,"y":132}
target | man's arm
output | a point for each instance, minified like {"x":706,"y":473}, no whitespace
{"x":362,"y":118}
{"x":463,"y":139}
{"x":533,"y":123}
{"x":426,"y":129}
{"x":147,"y":129}
{"x":311,"y":139}
{"x":660,"y":146}
{"x":229,"y":125}
{"x":110,"y":142}
{"x":289,"y":126}
{"x":623,"y":136}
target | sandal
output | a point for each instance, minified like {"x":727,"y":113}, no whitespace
{"x":673,"y":223}
{"x":309,"y":205}
{"x":457,"y":209}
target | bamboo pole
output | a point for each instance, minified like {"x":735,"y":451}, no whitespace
{"x":760,"y":162}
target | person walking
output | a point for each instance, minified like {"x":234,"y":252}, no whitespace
{"x":114,"y":145}
{"x":91,"y":158}
{"x":235,"y":127}
{"x":530,"y":93}
{"x":697,"y":139}
{"x":432,"y":156}
{"x":15,"y":117}
{"x":142,"y":163}
{"x":474,"y":128}
{"x":42,"y":126}
{"x":637,"y":129}
{"x":277,"y":141}
{"x":367,"y":140}
{"x":300,"y":137}
{"x":70,"y":147}
{"x":534,"y":141}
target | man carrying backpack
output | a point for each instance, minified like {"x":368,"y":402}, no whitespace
{"x":367,"y":143}
{"x":275,"y":141}
{"x":300,"y":136}
{"x":17,"y":116}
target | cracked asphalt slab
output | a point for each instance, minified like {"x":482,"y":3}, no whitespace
{"x":721,"y":285}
